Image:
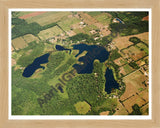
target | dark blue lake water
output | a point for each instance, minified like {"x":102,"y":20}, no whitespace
{"x":30,"y":69}
{"x":111,"y":83}
{"x":61,"y":48}
{"x":119,"y":20}
{"x":93,"y":52}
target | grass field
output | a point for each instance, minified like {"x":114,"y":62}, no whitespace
{"x":29,"y":38}
{"x":93,"y":13}
{"x":143,"y":47}
{"x":66,"y":24}
{"x":19,"y":43}
{"x":31,"y":15}
{"x":50,"y":32}
{"x":79,"y":30}
{"x":22,"y":13}
{"x":47,"y":18}
{"x":103,"y":18}
{"x":82,"y":107}
{"x":88,"y":28}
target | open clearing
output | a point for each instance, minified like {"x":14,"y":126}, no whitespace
{"x":66,"y":24}
{"x":143,"y":47}
{"x":120,"y":61}
{"x":47,"y":18}
{"x":22,"y":13}
{"x":30,"y":38}
{"x":120,"y":109}
{"x":19,"y":43}
{"x":89,"y":20}
{"x":144,"y":109}
{"x":126,"y":69}
{"x":103,"y":18}
{"x":123,"y":42}
{"x":82,"y":107}
{"x":50,"y":32}
{"x":144,"y":95}
{"x":134,"y":53}
{"x":104,"y":113}
{"x":143,"y":37}
{"x":131,"y":101}
{"x":133,"y":82}
{"x":88,"y":28}
{"x":31,"y":15}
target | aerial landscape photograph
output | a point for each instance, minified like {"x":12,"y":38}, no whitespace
{"x":80,"y":63}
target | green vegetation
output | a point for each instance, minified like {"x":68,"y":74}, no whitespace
{"x":82,"y":107}
{"x":114,"y":55}
{"x":66,"y":24}
{"x":133,"y":65}
{"x":48,"y":17}
{"x":106,"y":40}
{"x":22,"y":28}
{"x":94,"y":13}
{"x":136,"y":110}
{"x":18,"y":14}
{"x":82,"y":86}
{"x":88,"y":28}
{"x":135,"y":40}
{"x":27,"y":59}
{"x":143,"y":47}
{"x":47,"y":92}
{"x":133,"y":23}
{"x":103,"y":18}
{"x":80,"y":37}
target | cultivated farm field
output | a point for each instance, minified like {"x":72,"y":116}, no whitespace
{"x":50,"y":32}
{"x":126,"y":69}
{"x":47,"y":18}
{"x":103,"y":18}
{"x":121,"y":110}
{"x":120,"y":61}
{"x":19,"y":43}
{"x":133,"y":100}
{"x":134,"y":52}
{"x":122,"y":42}
{"x":134,"y":82}
{"x":29,"y":38}
{"x":66,"y":24}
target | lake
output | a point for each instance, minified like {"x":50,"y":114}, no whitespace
{"x":61,"y":48}
{"x":93,"y":52}
{"x":30,"y":69}
{"x":111,"y":83}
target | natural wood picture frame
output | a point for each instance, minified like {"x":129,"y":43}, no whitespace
{"x":4,"y":95}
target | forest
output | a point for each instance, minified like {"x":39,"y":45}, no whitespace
{"x":133,"y":23}
{"x":22,"y":28}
